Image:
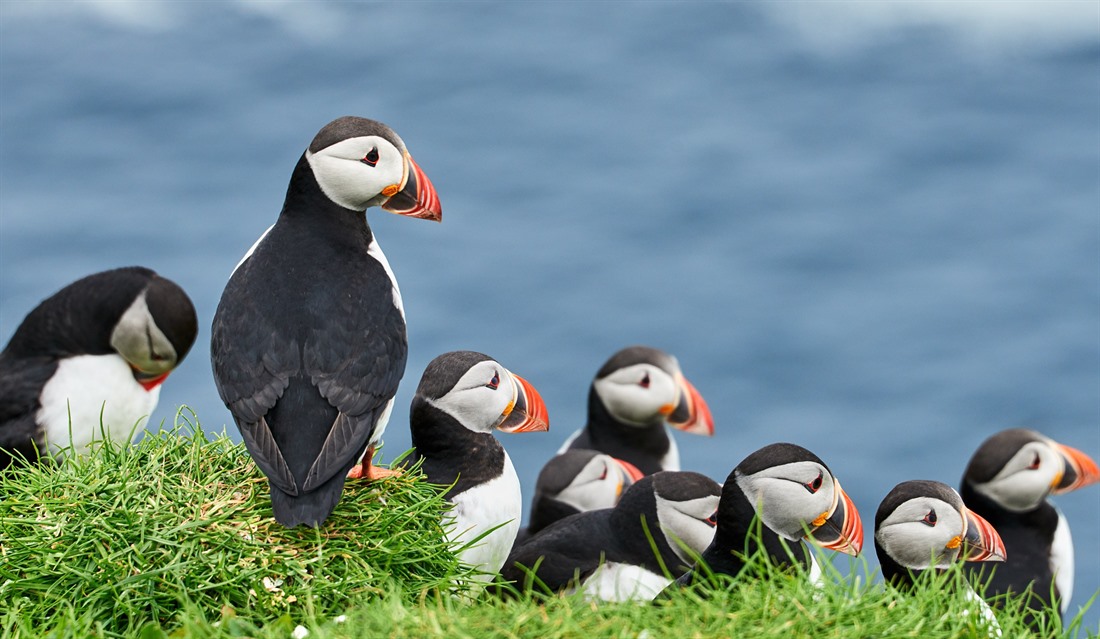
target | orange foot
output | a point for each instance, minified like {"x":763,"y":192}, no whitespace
{"x":368,"y":471}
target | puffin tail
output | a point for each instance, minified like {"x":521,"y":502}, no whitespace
{"x":309,"y":509}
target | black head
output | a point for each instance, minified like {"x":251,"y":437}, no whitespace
{"x":683,"y":503}
{"x":132,"y":311}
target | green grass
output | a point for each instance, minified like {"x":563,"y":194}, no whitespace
{"x":173,"y":537}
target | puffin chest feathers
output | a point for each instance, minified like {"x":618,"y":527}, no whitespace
{"x":494,"y":505}
{"x":91,"y":397}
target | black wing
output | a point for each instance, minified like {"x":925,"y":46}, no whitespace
{"x":21,"y":383}
{"x":560,"y":555}
{"x":338,"y":346}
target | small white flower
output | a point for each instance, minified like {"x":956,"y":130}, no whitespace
{"x":300,"y":632}
{"x":339,"y":619}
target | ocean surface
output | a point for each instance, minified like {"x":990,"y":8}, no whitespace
{"x":872,"y":229}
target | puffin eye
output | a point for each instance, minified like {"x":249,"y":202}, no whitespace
{"x":930,"y":518}
{"x":712,"y":521}
{"x":645,"y":381}
{"x":371,"y":158}
{"x":603,"y":475}
{"x":1034,"y":463}
{"x":815,"y":485}
{"x":495,"y":382}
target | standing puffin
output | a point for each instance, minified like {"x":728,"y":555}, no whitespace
{"x":463,"y":397}
{"x":309,"y":340}
{"x":772,"y":498}
{"x":576,"y":481}
{"x":1007,"y":482}
{"x":923,"y":525}
{"x":609,"y":554}
{"x":91,"y":358}
{"x":633,"y":395}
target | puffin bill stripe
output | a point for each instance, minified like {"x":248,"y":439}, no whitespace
{"x":981,"y":541}
{"x":692,"y":415}
{"x":1080,"y":470}
{"x":843,"y":530}
{"x":529,"y":413}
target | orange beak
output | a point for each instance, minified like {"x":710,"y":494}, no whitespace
{"x":528,"y":413}
{"x":691,"y":415}
{"x":1080,"y":470}
{"x":630,"y":470}
{"x":981,"y":543}
{"x":417,"y":197}
{"x":843,"y":530}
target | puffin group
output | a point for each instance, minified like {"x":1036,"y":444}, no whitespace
{"x":309,"y":345}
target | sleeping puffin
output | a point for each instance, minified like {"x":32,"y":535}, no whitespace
{"x":1007,"y":482}
{"x":923,"y":525}
{"x":633,"y":396}
{"x":308,"y":342}
{"x":609,"y":554}
{"x":783,"y":490}
{"x":463,"y":397}
{"x":576,"y":481}
{"x":89,"y":361}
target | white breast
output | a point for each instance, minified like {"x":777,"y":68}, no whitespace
{"x":83,"y":389}
{"x":1061,"y":561}
{"x":494,"y":504}
{"x":623,"y":582}
{"x":671,"y":460}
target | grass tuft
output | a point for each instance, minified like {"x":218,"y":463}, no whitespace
{"x":173,"y":538}
{"x":132,"y":535}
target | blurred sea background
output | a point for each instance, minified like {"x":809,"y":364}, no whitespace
{"x":872,"y":229}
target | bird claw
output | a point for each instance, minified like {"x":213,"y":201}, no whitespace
{"x":371,"y":472}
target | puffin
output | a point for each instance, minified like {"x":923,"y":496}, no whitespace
{"x":634,"y":394}
{"x":769,"y":502}
{"x":308,"y":343}
{"x":1007,"y":482}
{"x":462,"y":398}
{"x":924,"y":526}
{"x":576,"y":481}
{"x":89,"y":361}
{"x":609,"y":554}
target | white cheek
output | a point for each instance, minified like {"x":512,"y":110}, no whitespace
{"x":591,"y":495}
{"x":687,"y":528}
{"x":918,"y":546}
{"x":350,"y":183}
{"x":478,"y":409}
{"x":1021,"y":491}
{"x":630,"y":403}
{"x":83,"y":389}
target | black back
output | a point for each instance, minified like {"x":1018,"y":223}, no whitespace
{"x":307,"y":342}
{"x":568,"y":551}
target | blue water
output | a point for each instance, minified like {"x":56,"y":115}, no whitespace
{"x":870,"y":230}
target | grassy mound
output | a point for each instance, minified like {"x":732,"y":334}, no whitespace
{"x":173,"y":537}
{"x":133,"y":535}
